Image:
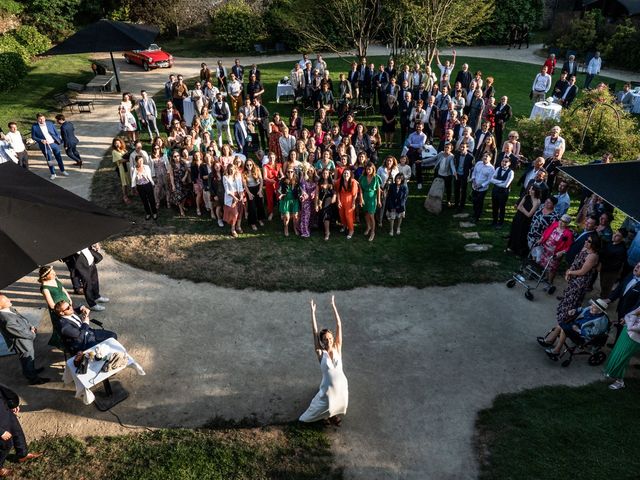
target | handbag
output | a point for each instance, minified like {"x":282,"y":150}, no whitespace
{"x":81,"y":363}
{"x":97,"y":256}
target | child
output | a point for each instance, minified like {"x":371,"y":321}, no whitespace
{"x":405,"y":169}
{"x":397,"y":201}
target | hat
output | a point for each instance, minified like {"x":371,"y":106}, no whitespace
{"x":44,"y":272}
{"x":600,"y":304}
{"x":566,"y":218}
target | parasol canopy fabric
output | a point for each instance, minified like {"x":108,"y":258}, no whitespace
{"x":41,"y":222}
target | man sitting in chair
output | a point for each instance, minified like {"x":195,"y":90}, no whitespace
{"x":76,"y":334}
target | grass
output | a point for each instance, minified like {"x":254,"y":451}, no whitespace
{"x":561,"y":432}
{"x":46,"y":77}
{"x":429,"y":252}
{"x":284,"y":452}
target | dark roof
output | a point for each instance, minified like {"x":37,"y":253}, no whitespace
{"x":107,"y":36}
{"x":617,"y":183}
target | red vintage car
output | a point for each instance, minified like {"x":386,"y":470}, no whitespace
{"x":152,"y":57}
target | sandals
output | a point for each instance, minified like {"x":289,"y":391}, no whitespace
{"x":543,"y":342}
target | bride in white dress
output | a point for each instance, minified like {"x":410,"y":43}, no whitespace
{"x":333,"y":396}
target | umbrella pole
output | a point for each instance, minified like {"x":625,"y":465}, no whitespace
{"x":115,"y":71}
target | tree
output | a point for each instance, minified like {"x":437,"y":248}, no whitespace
{"x":420,"y":25}
{"x":334,"y":24}
{"x":172,"y":15}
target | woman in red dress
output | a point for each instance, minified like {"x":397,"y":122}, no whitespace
{"x":346,"y":192}
{"x":275,"y":132}
{"x":271,"y":174}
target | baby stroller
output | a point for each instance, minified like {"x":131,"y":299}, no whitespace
{"x":576,"y":343}
{"x":531,"y":270}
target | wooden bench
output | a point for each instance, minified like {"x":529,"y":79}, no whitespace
{"x":64,"y":101}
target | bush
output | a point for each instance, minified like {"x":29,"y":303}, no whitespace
{"x":11,"y":7}
{"x":602,"y":132}
{"x":31,"y":40}
{"x":9,"y":44}
{"x":12,"y":69}
{"x":621,"y":49}
{"x":507,"y":12}
{"x":237,"y":26}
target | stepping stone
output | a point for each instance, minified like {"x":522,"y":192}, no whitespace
{"x":461,"y":215}
{"x":471,"y":235}
{"x":467,"y":224}
{"x":485,"y":263}
{"x":477,"y":247}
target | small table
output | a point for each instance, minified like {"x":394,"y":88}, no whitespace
{"x":544,"y":110}
{"x":101,"y":83}
{"x":635,"y":104}
{"x":284,"y":90}
{"x":95,"y":376}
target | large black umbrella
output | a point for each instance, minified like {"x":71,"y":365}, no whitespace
{"x":107,"y":36}
{"x":617,"y":183}
{"x":41,"y":222}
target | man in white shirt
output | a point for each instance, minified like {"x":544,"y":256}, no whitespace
{"x":593,"y":69}
{"x":297,"y":82}
{"x":222,"y":113}
{"x":448,"y":66}
{"x":44,"y":133}
{"x":234,"y":89}
{"x":552,"y":142}
{"x":541,"y":85}
{"x":14,"y":138}
{"x":480,"y":180}
{"x":303,"y":61}
{"x":415,"y":143}
{"x":85,"y":269}
{"x":287,"y":143}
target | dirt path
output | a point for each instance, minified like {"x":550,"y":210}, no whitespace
{"x":420,"y":363}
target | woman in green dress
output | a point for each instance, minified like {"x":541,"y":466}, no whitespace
{"x":289,"y":197}
{"x":53,"y":292}
{"x":370,"y":198}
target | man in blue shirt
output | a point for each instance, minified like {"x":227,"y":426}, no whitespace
{"x":563,"y":199}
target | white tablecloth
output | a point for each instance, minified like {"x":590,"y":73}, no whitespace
{"x":95,"y":375}
{"x":189,"y":110}
{"x":636,"y":102}
{"x":283,"y":91}
{"x":544,"y":110}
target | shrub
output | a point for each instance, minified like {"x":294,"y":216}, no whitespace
{"x":9,"y":44}
{"x":602,"y":132}
{"x":507,"y":12}
{"x":621,"y":49}
{"x":12,"y":69}
{"x":11,"y":7}
{"x":237,"y":26}
{"x":31,"y":40}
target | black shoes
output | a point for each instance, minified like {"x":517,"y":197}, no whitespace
{"x":39,"y":381}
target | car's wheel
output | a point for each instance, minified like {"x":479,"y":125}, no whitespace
{"x":127,"y":59}
{"x":145,"y":65}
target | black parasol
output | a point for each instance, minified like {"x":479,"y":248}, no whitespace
{"x":41,"y":222}
{"x":107,"y":36}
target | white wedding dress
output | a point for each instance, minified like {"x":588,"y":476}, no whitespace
{"x":333,"y":396}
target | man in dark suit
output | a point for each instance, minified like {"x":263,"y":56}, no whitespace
{"x":168,"y":115}
{"x":463,"y":162}
{"x":502,"y":115}
{"x":578,"y":242}
{"x":262,"y":121}
{"x":628,"y":295}
{"x":369,"y":84}
{"x":238,"y":70}
{"x":44,"y":133}
{"x":432,"y":117}
{"x":255,"y":71}
{"x":11,"y":434}
{"x":464,"y":77}
{"x":569,"y":94}
{"x":19,"y":334}
{"x":405,"y":105}
{"x":86,"y":270}
{"x":69,"y":139}
{"x":481,"y":137}
{"x":570,"y":66}
{"x":76,"y":334}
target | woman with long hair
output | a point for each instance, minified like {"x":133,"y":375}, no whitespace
{"x":253,"y":186}
{"x":387,"y":172}
{"x":346,"y":192}
{"x":271,"y":176}
{"x":370,"y":198}
{"x":178,"y":180}
{"x":307,"y":200}
{"x":276,"y":127}
{"x":160,"y":165}
{"x":325,"y":201}
{"x":522,"y":222}
{"x":289,"y":195}
{"x":216,"y":190}
{"x":198,"y":169}
{"x":389,"y":112}
{"x":142,"y":181}
{"x":332,"y":398}
{"x":295,"y":123}
{"x":118,"y":151}
{"x":233,"y":199}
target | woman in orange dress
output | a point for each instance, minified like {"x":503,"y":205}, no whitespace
{"x":272,"y":174}
{"x":346,"y":193}
{"x":275,"y":132}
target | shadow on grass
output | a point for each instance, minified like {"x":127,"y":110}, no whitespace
{"x":287,"y":451}
{"x":556,"y":432}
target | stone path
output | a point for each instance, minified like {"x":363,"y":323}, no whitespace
{"x":420,"y":363}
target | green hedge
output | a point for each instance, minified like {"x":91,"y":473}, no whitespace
{"x":507,"y":12}
{"x":237,"y":26}
{"x":11,"y":7}
{"x":12,"y":69}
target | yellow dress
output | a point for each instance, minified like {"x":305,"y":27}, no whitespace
{"x":125,"y":180}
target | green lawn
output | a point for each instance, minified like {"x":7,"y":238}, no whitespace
{"x":561,"y":432}
{"x":46,"y":77}
{"x":429,"y":252}
{"x":287,"y":453}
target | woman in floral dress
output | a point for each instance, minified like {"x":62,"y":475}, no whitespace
{"x":307,"y":200}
